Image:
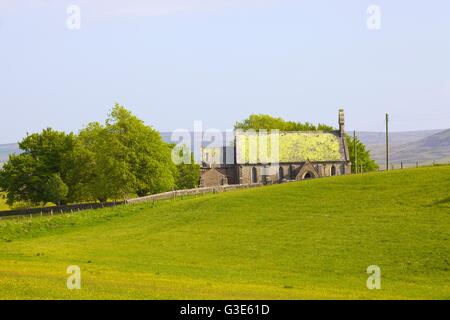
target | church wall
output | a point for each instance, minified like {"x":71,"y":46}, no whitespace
{"x":242,"y":174}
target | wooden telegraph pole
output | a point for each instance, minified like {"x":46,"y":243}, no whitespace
{"x":387,"y":142}
{"x":354,"y":151}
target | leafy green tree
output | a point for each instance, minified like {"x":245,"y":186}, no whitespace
{"x":188,"y":175}
{"x":20,"y":181}
{"x":101,"y":170}
{"x":267,"y":122}
{"x":78,"y":167}
{"x":48,"y":147}
{"x":363,"y":155}
{"x":27,"y":177}
{"x":121,"y":157}
{"x":104,"y":161}
{"x":55,"y":190}
{"x":147,"y":155}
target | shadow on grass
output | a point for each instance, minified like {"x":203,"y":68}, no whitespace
{"x":443,"y":201}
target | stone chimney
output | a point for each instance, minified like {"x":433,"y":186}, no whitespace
{"x":341,"y":122}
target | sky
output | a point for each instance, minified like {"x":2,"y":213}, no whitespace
{"x":173,"y":62}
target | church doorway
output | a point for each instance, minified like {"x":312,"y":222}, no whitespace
{"x":333,"y":170}
{"x":307,"y":176}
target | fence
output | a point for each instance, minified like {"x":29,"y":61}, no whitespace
{"x":406,"y":165}
{"x":151,"y":198}
{"x":410,"y":164}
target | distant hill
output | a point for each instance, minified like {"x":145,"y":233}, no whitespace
{"x":7,"y":149}
{"x":429,"y":149}
{"x":395,"y":138}
{"x":409,"y":147}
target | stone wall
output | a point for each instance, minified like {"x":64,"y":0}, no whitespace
{"x":192,"y":192}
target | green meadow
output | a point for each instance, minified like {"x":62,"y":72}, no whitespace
{"x":3,"y":205}
{"x":304,"y":240}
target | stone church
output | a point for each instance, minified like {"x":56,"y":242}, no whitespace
{"x":292,"y":156}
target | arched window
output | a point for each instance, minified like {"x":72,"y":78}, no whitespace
{"x":254,"y":175}
{"x":280,"y":174}
{"x":333,"y":170}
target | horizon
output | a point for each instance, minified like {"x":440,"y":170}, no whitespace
{"x":347,"y":131}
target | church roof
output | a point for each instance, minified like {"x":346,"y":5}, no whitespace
{"x":252,"y":148}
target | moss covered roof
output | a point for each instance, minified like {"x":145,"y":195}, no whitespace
{"x":292,"y":147}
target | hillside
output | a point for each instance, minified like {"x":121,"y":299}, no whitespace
{"x":396,"y":138}
{"x":309,"y":239}
{"x":435,"y":147}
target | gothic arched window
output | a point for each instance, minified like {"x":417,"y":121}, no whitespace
{"x":254,"y":175}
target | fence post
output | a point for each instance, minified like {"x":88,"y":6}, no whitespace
{"x":417,"y":164}
{"x":401,"y":165}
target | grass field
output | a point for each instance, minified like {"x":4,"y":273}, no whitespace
{"x":311,"y":239}
{"x":3,"y":205}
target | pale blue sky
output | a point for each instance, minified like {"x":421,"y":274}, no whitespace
{"x":173,"y":62}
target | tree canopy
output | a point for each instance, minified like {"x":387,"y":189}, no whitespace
{"x":267,"y":122}
{"x":364,"y":158}
{"x":113,"y":160}
{"x":37,"y":174}
{"x":188,"y":175}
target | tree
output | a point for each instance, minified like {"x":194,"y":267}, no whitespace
{"x":103,"y":172}
{"x":121,"y":157}
{"x":19,"y":179}
{"x":49,"y":147}
{"x":267,"y":122}
{"x":188,"y":175}
{"x":31,"y":176}
{"x":55,"y":190}
{"x":363,"y":155}
{"x":147,"y":155}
